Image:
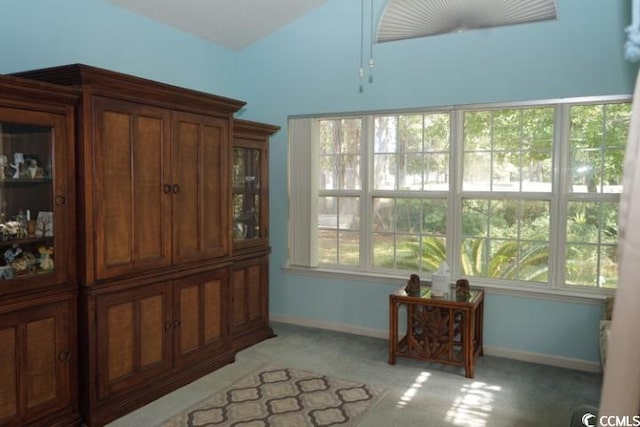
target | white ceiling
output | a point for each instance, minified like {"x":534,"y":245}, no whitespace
{"x":234,"y":24}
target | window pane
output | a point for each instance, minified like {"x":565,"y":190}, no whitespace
{"x":434,"y":216}
{"x":410,"y":172}
{"x":436,"y":173}
{"x":383,"y":215}
{"x":592,"y":244}
{"x":410,"y":134}
{"x":475,"y":217}
{"x":477,"y":171}
{"x":349,"y":248}
{"x":598,"y":136}
{"x":408,"y":215}
{"x":327,"y":212}
{"x":384,"y":172}
{"x":512,"y":240}
{"x":583,"y":222}
{"x":437,"y":134}
{"x":408,"y":252}
{"x":434,"y":252}
{"x":411,"y":152}
{"x":328,"y":251}
{"x":506,"y":171}
{"x":383,"y":250}
{"x":581,"y":265}
{"x":340,"y":154}
{"x":508,"y":150}
{"x":335,"y":215}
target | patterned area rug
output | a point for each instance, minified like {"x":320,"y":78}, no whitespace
{"x":274,"y":396}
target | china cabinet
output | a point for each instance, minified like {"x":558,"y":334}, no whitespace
{"x":37,"y":255}
{"x":250,"y":184}
{"x":250,"y":214}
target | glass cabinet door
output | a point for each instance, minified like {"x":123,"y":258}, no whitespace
{"x":26,"y":201}
{"x":246,"y":193}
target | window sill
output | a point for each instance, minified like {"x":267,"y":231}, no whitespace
{"x":582,"y":295}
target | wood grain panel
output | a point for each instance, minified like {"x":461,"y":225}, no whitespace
{"x":212,"y":310}
{"x":254,"y":291}
{"x":239,"y":294}
{"x":117,"y":189}
{"x":152,"y":313}
{"x":214,"y":191}
{"x":8,"y":373}
{"x":187,"y":213}
{"x":120,"y":341}
{"x":42,"y":384}
{"x":189,"y":318}
{"x":150,"y":202}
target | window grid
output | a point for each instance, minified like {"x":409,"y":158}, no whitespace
{"x":558,"y":198}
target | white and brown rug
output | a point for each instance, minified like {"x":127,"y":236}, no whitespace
{"x":274,"y":396}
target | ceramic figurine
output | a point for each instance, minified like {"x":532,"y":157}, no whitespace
{"x":413,"y":286}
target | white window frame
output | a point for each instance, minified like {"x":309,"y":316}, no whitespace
{"x":304,"y":191}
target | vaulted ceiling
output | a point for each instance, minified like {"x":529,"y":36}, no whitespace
{"x":233,"y":24}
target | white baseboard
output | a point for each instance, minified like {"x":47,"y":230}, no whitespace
{"x":525,"y":356}
{"x":544,"y":359}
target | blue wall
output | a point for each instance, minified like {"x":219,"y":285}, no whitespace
{"x":44,"y":33}
{"x":311,"y":66}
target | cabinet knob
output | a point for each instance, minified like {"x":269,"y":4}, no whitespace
{"x":63,"y":356}
{"x":60,"y":200}
{"x":166,"y":188}
{"x":168,"y":326}
{"x":175,"y":188}
{"x":177,"y":323}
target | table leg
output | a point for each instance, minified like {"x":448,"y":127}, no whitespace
{"x":393,"y":331}
{"x":467,"y":337}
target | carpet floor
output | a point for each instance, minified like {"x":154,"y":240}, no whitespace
{"x":276,"y":396}
{"x":504,"y":392}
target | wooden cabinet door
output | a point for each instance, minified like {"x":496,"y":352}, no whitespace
{"x":199,"y":307}
{"x":132,"y":187}
{"x":134,"y":330}
{"x":36,"y":355}
{"x":200,"y":187}
{"x":249,"y":295}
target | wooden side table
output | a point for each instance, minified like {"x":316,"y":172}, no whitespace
{"x":439,"y":329}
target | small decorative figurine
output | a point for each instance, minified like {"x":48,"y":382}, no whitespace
{"x":413,"y":286}
{"x":31,"y":168}
{"x":3,"y":165}
{"x":18,"y":162}
{"x":46,"y":261}
{"x":462,"y":289}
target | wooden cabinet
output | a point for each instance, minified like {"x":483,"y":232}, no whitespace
{"x":38,"y":369}
{"x":250,"y":302}
{"x":155,"y":166}
{"x":36,"y":186}
{"x":201,"y":304}
{"x":161,"y":187}
{"x":132,"y":208}
{"x":172,"y":233}
{"x":38,"y":357}
{"x":250,"y":214}
{"x":145,"y":330}
{"x":250,"y":183}
{"x":200,"y":187}
{"x":134,"y":336}
{"x":148,"y":335}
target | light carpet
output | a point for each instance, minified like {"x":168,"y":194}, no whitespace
{"x":276,"y":396}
